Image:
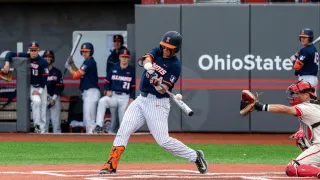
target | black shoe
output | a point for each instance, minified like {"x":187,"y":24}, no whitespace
{"x":37,"y":129}
{"x":98,"y":130}
{"x":202,"y":164}
{"x":108,"y":169}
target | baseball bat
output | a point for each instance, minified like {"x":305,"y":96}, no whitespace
{"x":316,"y":40}
{"x":183,"y":106}
{"x":74,"y":48}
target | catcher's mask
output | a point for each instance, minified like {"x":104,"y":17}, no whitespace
{"x":296,"y":89}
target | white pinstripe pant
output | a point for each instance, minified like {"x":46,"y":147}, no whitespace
{"x":155,"y":112}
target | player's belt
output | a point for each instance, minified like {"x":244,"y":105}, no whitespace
{"x":35,"y":85}
{"x":145,"y":94}
{"x":119,"y":93}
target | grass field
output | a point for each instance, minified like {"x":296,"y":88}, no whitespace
{"x":96,"y":153}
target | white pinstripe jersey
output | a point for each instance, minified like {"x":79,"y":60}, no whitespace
{"x":309,"y":114}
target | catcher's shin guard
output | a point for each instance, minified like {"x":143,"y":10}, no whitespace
{"x":111,"y":165}
{"x":294,"y":169}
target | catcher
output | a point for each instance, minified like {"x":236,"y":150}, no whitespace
{"x":306,"y":107}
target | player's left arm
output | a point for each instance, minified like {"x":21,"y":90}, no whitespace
{"x":44,"y":75}
{"x":170,"y":78}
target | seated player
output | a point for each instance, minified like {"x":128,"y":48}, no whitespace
{"x":119,"y":92}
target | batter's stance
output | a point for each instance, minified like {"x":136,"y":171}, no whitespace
{"x":306,"y":61}
{"x":119,"y":91}
{"x":55,"y":87}
{"x":88,"y":75}
{"x":153,"y":105}
{"x":38,"y":90}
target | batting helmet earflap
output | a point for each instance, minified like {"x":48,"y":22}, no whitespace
{"x":172,"y":40}
{"x":306,"y":32}
{"x":87,"y":47}
{"x":48,"y":53}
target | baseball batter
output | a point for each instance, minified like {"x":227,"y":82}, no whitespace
{"x":38,"y":93}
{"x":119,"y":91}
{"x":152,"y":106}
{"x":307,"y":109}
{"x":88,"y":75}
{"x":54,"y":86}
{"x":306,"y":61}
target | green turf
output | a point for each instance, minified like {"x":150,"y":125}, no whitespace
{"x":88,"y":153}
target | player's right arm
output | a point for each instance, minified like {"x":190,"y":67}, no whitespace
{"x":107,"y":84}
{"x":9,"y":56}
{"x":300,"y":61}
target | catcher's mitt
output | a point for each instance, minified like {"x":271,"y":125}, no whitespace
{"x":6,"y":76}
{"x":248,"y":102}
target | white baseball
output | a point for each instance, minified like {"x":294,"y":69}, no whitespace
{"x":178,"y":97}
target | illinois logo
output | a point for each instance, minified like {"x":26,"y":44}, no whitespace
{"x":168,"y":39}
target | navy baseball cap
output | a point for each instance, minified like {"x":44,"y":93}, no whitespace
{"x":34,"y":45}
{"x":124,"y":53}
{"x":48,"y":53}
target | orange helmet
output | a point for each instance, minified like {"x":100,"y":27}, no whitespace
{"x":295,"y":89}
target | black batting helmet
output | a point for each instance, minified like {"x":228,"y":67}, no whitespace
{"x":306,"y":32}
{"x":48,"y":53}
{"x":172,"y":40}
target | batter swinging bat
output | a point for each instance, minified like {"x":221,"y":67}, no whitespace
{"x":185,"y":108}
{"x":75,"y":45}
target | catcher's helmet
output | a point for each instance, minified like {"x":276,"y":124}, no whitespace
{"x":48,"y":53}
{"x":295,"y":89}
{"x":172,"y":40}
{"x":87,"y":47}
{"x":306,"y":32}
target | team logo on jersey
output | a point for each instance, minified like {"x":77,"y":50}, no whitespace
{"x":128,"y":73}
{"x":159,"y":69}
{"x":301,"y":58}
{"x":46,"y":71}
{"x":114,"y":71}
{"x":52,"y":78}
{"x":83,"y":67}
{"x":172,"y":78}
{"x":34,"y":65}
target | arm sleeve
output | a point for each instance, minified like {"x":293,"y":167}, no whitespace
{"x":303,"y":111}
{"x":107,"y":81}
{"x":44,"y":74}
{"x":11,"y":55}
{"x":59,"y":85}
{"x":133,"y":86}
{"x":172,"y":76}
{"x":155,"y":53}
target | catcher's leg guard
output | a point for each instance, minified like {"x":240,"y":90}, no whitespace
{"x":111,"y":165}
{"x":303,"y":170}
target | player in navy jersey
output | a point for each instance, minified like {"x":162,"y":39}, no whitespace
{"x":306,"y":61}
{"x":119,"y":91}
{"x":88,"y":75}
{"x":153,"y":105}
{"x":54,"y":86}
{"x":38,"y":93}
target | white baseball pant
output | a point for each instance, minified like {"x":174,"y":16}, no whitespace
{"x":115,"y":102}
{"x":39,"y":108}
{"x":90,"y":99}
{"x":53,"y":113}
{"x":155,"y":112}
{"x":313,"y":80}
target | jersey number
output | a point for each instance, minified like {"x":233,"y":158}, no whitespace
{"x":35,"y":72}
{"x":126,"y":85}
{"x":156,"y":77}
{"x":316,"y":58}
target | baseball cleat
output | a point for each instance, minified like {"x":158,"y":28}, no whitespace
{"x":107,"y":169}
{"x":202,"y":164}
{"x":98,"y":130}
{"x":37,"y":129}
